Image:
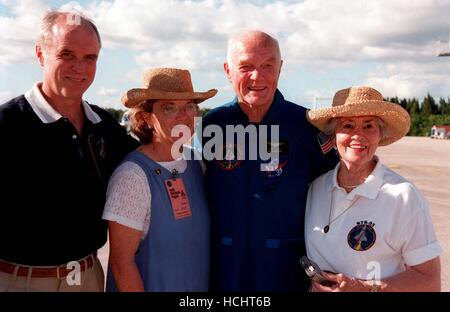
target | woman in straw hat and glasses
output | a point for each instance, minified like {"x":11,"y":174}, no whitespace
{"x":156,"y":205}
{"x":368,"y":225}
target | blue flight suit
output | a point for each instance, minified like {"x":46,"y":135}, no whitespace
{"x":258,"y":216}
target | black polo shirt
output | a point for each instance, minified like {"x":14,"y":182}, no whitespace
{"x":53,"y":184}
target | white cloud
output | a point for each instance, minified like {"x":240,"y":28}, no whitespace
{"x":319,"y":98}
{"x":110,"y":104}
{"x":107,"y":92}
{"x":182,"y":56}
{"x":337,"y":34}
{"x":328,"y":34}
{"x":19,"y":30}
{"x":405,"y":79}
{"x":193,"y":33}
{"x":399,"y":36}
{"x":72,"y":6}
{"x":135,"y":77}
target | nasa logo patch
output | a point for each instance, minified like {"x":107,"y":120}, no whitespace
{"x":362,"y":236}
{"x":232,"y":156}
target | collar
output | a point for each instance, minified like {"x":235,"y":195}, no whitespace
{"x":272,"y":114}
{"x":47,"y":113}
{"x":369,"y":188}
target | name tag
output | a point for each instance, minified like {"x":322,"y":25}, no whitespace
{"x":178,"y":198}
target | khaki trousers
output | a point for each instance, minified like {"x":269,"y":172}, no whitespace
{"x":90,"y":280}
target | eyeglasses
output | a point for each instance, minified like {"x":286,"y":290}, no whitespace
{"x":172,"y":110}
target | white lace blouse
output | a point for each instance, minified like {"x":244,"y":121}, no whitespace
{"x":128,"y":198}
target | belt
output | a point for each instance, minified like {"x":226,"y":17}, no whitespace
{"x":46,"y":272}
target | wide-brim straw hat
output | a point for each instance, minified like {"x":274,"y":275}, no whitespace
{"x":364,"y":101}
{"x":165,"y":84}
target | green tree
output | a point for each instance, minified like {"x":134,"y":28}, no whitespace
{"x":429,"y":106}
{"x":445,"y":109}
{"x":418,"y":126}
{"x":413,"y":106}
{"x":394,"y":100}
{"x":404,"y":103}
{"x":421,"y":125}
{"x":440,"y":120}
{"x":442,"y":105}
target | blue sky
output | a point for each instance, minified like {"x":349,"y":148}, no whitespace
{"x":326,"y":45}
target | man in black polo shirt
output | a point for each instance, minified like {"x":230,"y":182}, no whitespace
{"x":57,"y":153}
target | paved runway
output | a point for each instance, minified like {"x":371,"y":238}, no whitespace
{"x":426,"y":162}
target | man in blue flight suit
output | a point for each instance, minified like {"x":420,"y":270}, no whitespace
{"x":258,"y":205}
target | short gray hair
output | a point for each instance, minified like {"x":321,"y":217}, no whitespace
{"x":330,"y":127}
{"x":51,"y":17}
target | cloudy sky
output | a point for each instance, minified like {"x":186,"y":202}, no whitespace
{"x":326,"y":45}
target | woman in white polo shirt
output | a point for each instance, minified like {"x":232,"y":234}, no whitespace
{"x":364,"y":223}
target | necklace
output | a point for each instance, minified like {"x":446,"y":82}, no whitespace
{"x":326,"y":228}
{"x":350,"y":186}
{"x":374,"y":163}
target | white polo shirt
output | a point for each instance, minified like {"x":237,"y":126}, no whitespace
{"x":375,"y":230}
{"x":47,"y":113}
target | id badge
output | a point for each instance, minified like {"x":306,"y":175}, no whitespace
{"x":178,"y":198}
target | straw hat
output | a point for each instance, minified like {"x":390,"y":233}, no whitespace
{"x":364,"y":101}
{"x":165,"y":84}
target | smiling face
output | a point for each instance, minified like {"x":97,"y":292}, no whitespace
{"x":167,"y":114}
{"x":69,"y":60}
{"x":253,"y":67}
{"x":357,"y":139}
